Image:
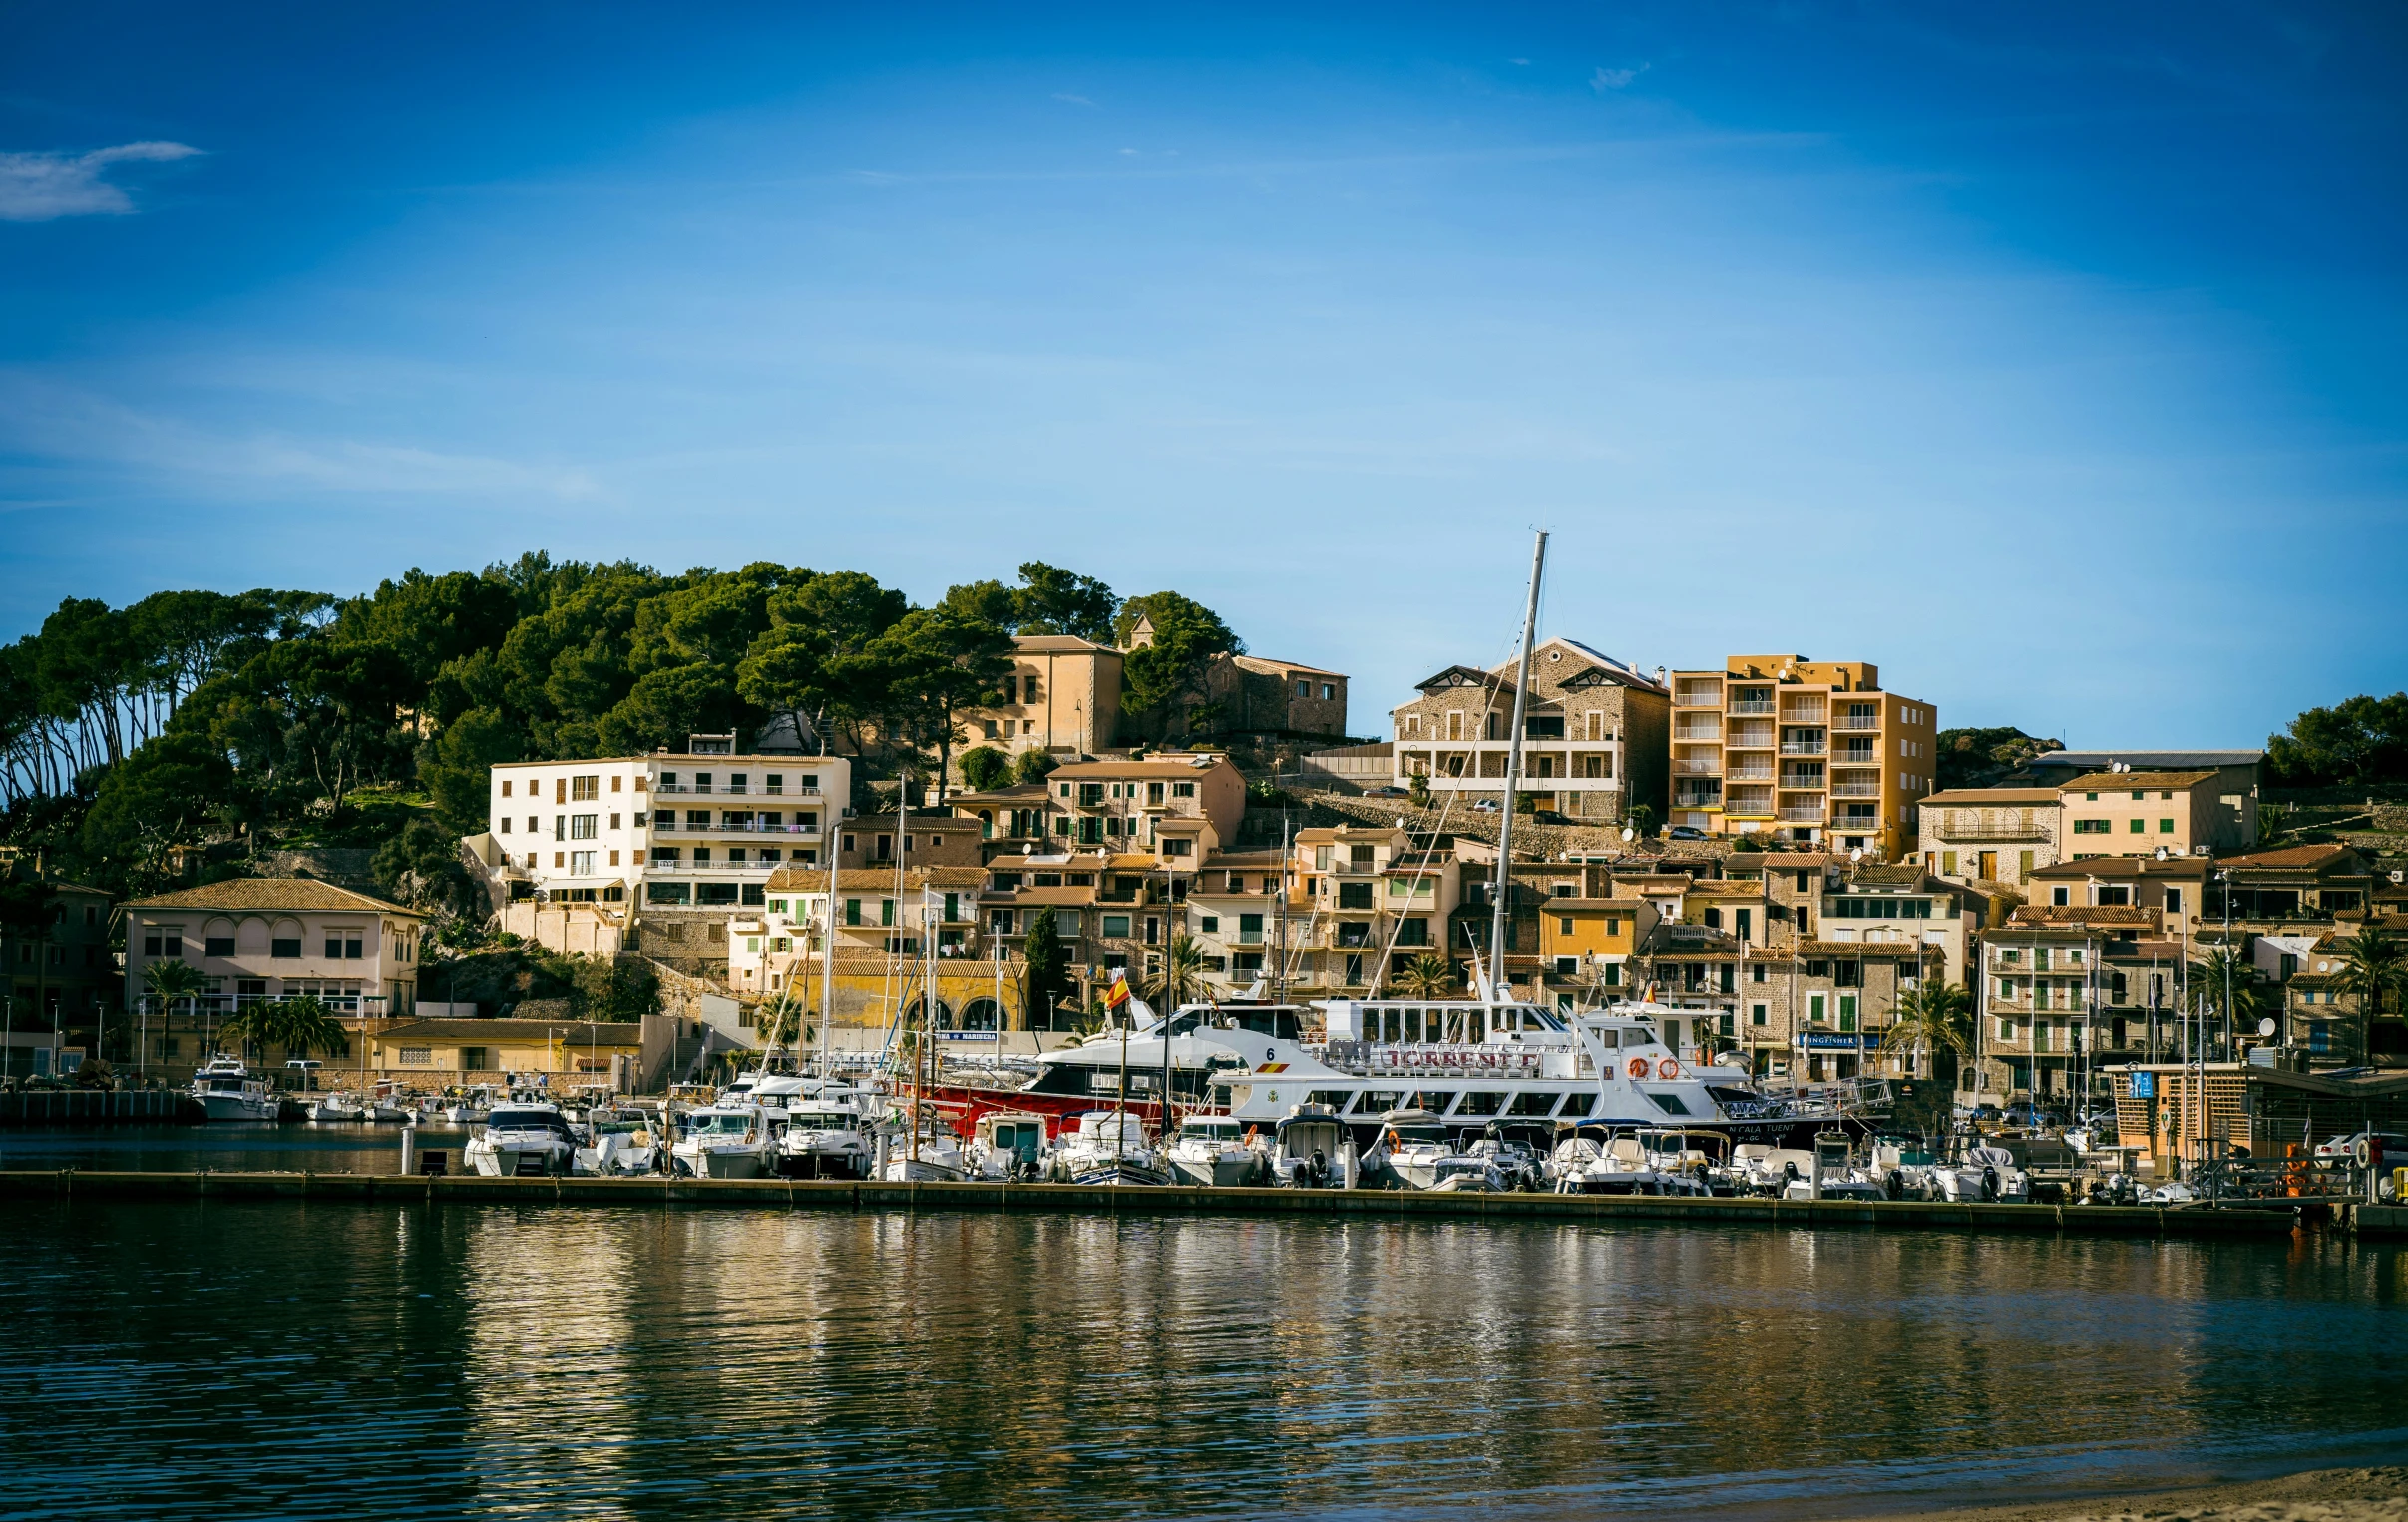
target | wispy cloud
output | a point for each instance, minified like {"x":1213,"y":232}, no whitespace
{"x":1075,"y":100}
{"x":1614,"y":79}
{"x":38,"y":187}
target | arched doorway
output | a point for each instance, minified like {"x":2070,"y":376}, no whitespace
{"x":916,"y":1014}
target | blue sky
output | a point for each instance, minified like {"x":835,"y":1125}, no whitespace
{"x":2049,"y":357}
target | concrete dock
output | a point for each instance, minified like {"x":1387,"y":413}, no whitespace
{"x":1380,"y":1205}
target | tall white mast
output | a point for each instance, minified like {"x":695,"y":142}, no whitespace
{"x":1513,"y":774}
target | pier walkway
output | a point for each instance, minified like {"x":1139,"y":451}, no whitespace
{"x":1370,"y":1204}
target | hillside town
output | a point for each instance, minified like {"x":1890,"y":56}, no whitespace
{"x":1763,"y":850}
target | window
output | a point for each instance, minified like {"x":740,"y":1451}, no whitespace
{"x":581,"y":863}
{"x":219,"y":946}
{"x":580,"y":826}
{"x":1304,"y":689}
{"x":1210,"y":925}
{"x":1178,"y":847}
{"x":885,"y":911}
{"x":1567,"y":924}
{"x":2174,"y":901}
{"x":2165,"y":827}
{"x":584,"y":789}
{"x":1847,"y":1013}
{"x":1183,"y":789}
{"x":2060,"y":895}
{"x":852,"y":911}
{"x":417,"y":1056}
{"x":285,"y":948}
{"x":2139,"y":828}
{"x":667,"y":893}
{"x":1116,"y":925}
{"x":1756,"y":1014}
{"x":1814,"y":1007}
{"x":2093,"y":826}
{"x":505,"y":824}
{"x":506,"y":789}
{"x":1756,"y":975}
{"x":1329,"y":692}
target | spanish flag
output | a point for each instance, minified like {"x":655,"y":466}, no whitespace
{"x":1118,"y":993}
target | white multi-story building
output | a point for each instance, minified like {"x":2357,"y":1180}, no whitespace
{"x":700,"y":829}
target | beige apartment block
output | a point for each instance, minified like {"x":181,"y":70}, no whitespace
{"x":1065,"y":697}
{"x":1179,"y":807}
{"x":703,"y":827}
{"x":1594,"y":734}
{"x":1989,"y":833}
{"x":1800,"y":750}
{"x":2136,"y":813}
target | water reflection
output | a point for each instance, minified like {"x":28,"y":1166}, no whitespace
{"x":317,"y":1360}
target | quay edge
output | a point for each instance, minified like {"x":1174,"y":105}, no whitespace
{"x":798,"y":1194}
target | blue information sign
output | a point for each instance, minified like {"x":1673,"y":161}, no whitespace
{"x":2143,"y":1085}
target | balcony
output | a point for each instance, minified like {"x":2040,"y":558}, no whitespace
{"x":808,"y":832}
{"x":1804,"y":713}
{"x":1802,"y":747}
{"x":1697,"y":768}
{"x":1698,"y":734}
{"x":1868,"y":824}
{"x":1856,"y":790}
{"x":1792,"y":814}
{"x":1749,"y":706}
{"x":1698,"y":699}
{"x":1757,"y":773}
{"x":1853,"y":755}
{"x":1858,"y":724}
{"x":1697,"y":800}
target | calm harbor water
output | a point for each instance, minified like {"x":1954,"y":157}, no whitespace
{"x":321,"y":1361}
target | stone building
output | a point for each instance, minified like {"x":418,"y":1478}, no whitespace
{"x":1596,"y":734}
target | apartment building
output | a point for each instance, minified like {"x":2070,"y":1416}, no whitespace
{"x":1594,"y":733}
{"x":1365,"y":899}
{"x":1177,"y":807}
{"x":925,"y":839}
{"x":700,"y":828}
{"x":880,"y":918}
{"x":1807,"y":752}
{"x":63,"y":974}
{"x":1989,"y":834}
{"x":2039,"y":993}
{"x":1063,"y":696}
{"x":2137,"y":813}
{"x":1234,"y":914}
{"x":2176,"y":888}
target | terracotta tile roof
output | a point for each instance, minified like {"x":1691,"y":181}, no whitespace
{"x":1249,"y":860}
{"x":1270,"y":667}
{"x":1616,"y":906}
{"x":1041,"y":895}
{"x":1075,"y":770}
{"x":269,"y":894}
{"x":573,"y":1033}
{"x":2108,"y":782}
{"x":1861,"y":948}
{"x":1888,"y":877}
{"x":1795,"y":858}
{"x":808,"y":878}
{"x":2125,"y":867}
{"x":1058,"y":645}
{"x":2290,"y":857}
{"x":2086,"y":913}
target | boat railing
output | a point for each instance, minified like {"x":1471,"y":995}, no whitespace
{"x":1454,"y":1059}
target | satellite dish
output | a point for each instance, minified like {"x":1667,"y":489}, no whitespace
{"x":2160,"y":853}
{"x":1629,"y":834}
{"x":1857,"y":855}
{"x":2265,"y":1027}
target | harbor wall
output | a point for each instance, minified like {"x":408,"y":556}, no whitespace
{"x":101,"y":1108}
{"x":1391,"y":1205}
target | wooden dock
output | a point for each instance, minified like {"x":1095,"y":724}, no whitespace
{"x":21,"y":1188}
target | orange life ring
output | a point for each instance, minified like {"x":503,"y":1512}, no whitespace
{"x":1667,"y":1068}
{"x":1638,"y":1067}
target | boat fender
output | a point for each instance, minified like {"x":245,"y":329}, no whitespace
{"x":1638,"y":1067}
{"x":1667,"y":1068}
{"x":1989,"y":1183}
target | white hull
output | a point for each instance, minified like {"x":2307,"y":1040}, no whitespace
{"x":336,"y":1113}
{"x":238,"y":1107}
{"x":921,"y":1170}
{"x":721,"y":1162}
{"x":513,"y":1162}
{"x":1228,"y":1171}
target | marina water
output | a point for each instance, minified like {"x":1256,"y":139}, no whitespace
{"x":306,"y":1361}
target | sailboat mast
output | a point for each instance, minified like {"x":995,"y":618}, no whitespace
{"x":1513,"y":775}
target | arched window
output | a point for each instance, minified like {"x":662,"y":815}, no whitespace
{"x":981,"y":1015}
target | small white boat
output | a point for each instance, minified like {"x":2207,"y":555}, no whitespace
{"x":823,"y":1139}
{"x":1109,"y":1147}
{"x":1215,"y":1152}
{"x":470,"y":1108}
{"x":521,"y":1138}
{"x":623,"y":1144}
{"x":1418,"y":1152}
{"x":230,"y":1091}
{"x":1009,"y":1144}
{"x":935,"y":1156}
{"x":1982,"y":1174}
{"x":344,"y":1107}
{"x":1312,"y":1149}
{"x":729,"y":1140}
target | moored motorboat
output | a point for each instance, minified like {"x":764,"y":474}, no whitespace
{"x":1216,"y":1152}
{"x":1008,"y":1144}
{"x":1107,"y":1147}
{"x":521,"y":1138}
{"x":729,"y":1140}
{"x":337,"y":1107}
{"x":227,"y":1090}
{"x":1416,"y":1151}
{"x":1311,"y":1149}
{"x":823,"y":1139}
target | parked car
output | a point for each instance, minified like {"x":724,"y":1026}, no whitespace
{"x":1548,"y":817}
{"x":2343,"y":1149}
{"x":1686,"y":832}
{"x":1484,"y":806}
{"x":1385,"y":792}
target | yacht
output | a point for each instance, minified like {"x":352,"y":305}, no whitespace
{"x":1216,"y":1152}
{"x":732,"y":1139}
{"x":230,"y":1091}
{"x":622,"y":1143}
{"x":1108,"y":1147}
{"x":520,"y":1138}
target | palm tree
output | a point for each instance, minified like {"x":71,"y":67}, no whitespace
{"x":168,"y":982}
{"x":1427,"y":975}
{"x":1935,"y":1018}
{"x":2372,"y":971}
{"x":1180,"y":978}
{"x":304,"y":1024}
{"x":2226,"y":968}
{"x":781,"y":1022}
